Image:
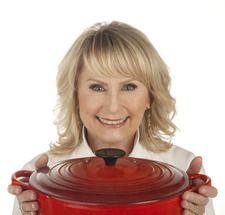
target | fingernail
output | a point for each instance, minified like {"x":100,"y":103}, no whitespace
{"x":199,"y":157}
{"x":34,"y":207}
{"x":203,"y":190}
{"x":17,"y":190}
{"x":33,"y":196}
{"x":185,"y":204}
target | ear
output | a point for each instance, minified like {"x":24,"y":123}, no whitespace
{"x":149,"y":101}
{"x":148,"y":105}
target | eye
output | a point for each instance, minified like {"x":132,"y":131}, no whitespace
{"x":129,"y":87}
{"x":96,"y":87}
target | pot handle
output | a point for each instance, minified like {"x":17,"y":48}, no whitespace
{"x":206,"y":180}
{"x":110,"y":155}
{"x":21,"y":178}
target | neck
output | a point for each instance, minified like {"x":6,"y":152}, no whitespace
{"x":95,"y":144}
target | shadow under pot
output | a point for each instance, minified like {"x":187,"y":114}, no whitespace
{"x":109,"y":184}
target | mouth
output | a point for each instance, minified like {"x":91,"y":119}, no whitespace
{"x":112,"y":122}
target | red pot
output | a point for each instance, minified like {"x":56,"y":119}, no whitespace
{"x":95,"y":186}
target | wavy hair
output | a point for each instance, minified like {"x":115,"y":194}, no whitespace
{"x":112,"y":49}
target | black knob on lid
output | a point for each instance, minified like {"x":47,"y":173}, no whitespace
{"x":110,"y":155}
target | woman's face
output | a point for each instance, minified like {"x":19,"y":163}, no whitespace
{"x":111,"y":109}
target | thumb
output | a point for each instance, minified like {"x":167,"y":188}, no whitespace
{"x":41,"y":161}
{"x":195,"y":165}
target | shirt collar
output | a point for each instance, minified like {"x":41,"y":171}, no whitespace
{"x":133,"y":152}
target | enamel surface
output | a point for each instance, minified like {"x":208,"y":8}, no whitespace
{"x":112,"y":122}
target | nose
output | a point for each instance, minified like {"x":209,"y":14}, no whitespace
{"x":113,"y":102}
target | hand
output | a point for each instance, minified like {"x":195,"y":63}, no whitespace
{"x":194,"y":202}
{"x":27,"y":198}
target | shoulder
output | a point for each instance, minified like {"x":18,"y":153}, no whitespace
{"x":30,"y":165}
{"x":176,"y":156}
{"x":177,"y":151}
{"x":179,"y":157}
{"x":82,"y":150}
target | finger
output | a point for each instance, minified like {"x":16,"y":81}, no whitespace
{"x":28,"y":213}
{"x":195,"y":165}
{"x":31,"y":213}
{"x":192,"y":208}
{"x":187,"y":212}
{"x":198,"y":181}
{"x":26,"y":207}
{"x":195,"y":198}
{"x":41,"y":162}
{"x":14,"y":189}
{"x":208,"y":191}
{"x":26,"y":196}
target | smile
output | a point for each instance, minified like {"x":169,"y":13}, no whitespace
{"x":112,"y":121}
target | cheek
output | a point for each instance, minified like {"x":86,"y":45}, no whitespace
{"x":139,"y":103}
{"x":139,"y":111}
{"x":87,"y":105}
{"x":86,"y":111}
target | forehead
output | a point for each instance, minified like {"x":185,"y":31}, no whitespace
{"x":86,"y":73}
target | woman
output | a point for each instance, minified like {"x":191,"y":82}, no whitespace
{"x":113,"y":90}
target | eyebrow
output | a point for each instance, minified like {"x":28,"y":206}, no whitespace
{"x":104,"y":83}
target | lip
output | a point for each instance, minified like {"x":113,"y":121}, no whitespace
{"x":112,"y":123}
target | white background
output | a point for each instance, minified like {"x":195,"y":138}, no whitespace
{"x":189,"y":35}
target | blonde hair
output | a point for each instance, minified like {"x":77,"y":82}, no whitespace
{"x":112,"y":49}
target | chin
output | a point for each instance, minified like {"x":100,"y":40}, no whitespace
{"x":111,"y":140}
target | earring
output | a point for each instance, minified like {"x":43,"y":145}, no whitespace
{"x":148,"y":118}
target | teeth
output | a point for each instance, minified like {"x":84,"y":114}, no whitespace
{"x":111,"y":122}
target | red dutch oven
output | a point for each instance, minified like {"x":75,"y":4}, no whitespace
{"x":109,"y":184}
